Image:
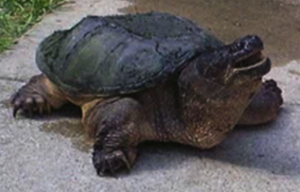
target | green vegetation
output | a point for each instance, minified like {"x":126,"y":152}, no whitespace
{"x":17,"y":16}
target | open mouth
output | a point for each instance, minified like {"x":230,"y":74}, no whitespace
{"x":248,"y":60}
{"x":254,"y":65}
{"x":251,"y":61}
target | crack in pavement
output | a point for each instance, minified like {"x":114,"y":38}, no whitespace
{"x":15,"y":79}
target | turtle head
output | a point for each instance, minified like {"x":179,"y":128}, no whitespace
{"x":218,"y":85}
{"x":231,"y":74}
{"x":239,"y":62}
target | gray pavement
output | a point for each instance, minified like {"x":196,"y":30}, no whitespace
{"x":52,"y":154}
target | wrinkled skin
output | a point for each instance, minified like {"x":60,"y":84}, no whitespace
{"x":196,"y":106}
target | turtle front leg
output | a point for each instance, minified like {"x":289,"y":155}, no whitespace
{"x":39,"y":95}
{"x":265,"y":105}
{"x":116,"y":124}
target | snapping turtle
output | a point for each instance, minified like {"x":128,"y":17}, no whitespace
{"x":151,"y":76}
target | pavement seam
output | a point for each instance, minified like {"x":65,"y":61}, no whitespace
{"x":14,"y":79}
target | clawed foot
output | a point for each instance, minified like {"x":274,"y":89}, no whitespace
{"x":271,"y":88}
{"x":265,"y":105}
{"x":107,"y":164}
{"x":29,"y":103}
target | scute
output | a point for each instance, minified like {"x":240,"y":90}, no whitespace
{"x":120,"y":54}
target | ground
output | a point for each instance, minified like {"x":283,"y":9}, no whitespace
{"x":52,"y":154}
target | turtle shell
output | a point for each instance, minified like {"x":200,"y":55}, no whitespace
{"x":120,"y":54}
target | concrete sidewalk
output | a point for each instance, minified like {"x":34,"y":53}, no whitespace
{"x":51,"y":154}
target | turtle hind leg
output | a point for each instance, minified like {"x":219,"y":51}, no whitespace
{"x":116,"y":123}
{"x":38,"y":96}
{"x":265,"y":105}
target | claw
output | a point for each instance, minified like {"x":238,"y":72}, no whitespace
{"x":111,"y":169}
{"x":48,"y":107}
{"x":124,"y":159}
{"x":101,"y":172}
{"x":109,"y":163}
{"x":12,"y":98}
{"x":40,"y":104}
{"x":40,"y":108}
{"x":30,"y":113}
{"x":15,"y":111}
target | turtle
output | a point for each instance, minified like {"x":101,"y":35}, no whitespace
{"x":150,"y":77}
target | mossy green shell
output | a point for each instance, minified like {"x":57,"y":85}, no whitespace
{"x":120,"y":54}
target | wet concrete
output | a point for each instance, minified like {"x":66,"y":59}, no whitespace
{"x":65,"y":122}
{"x":276,"y":22}
{"x":72,"y":129}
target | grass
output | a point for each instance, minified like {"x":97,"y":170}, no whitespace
{"x":17,"y":16}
